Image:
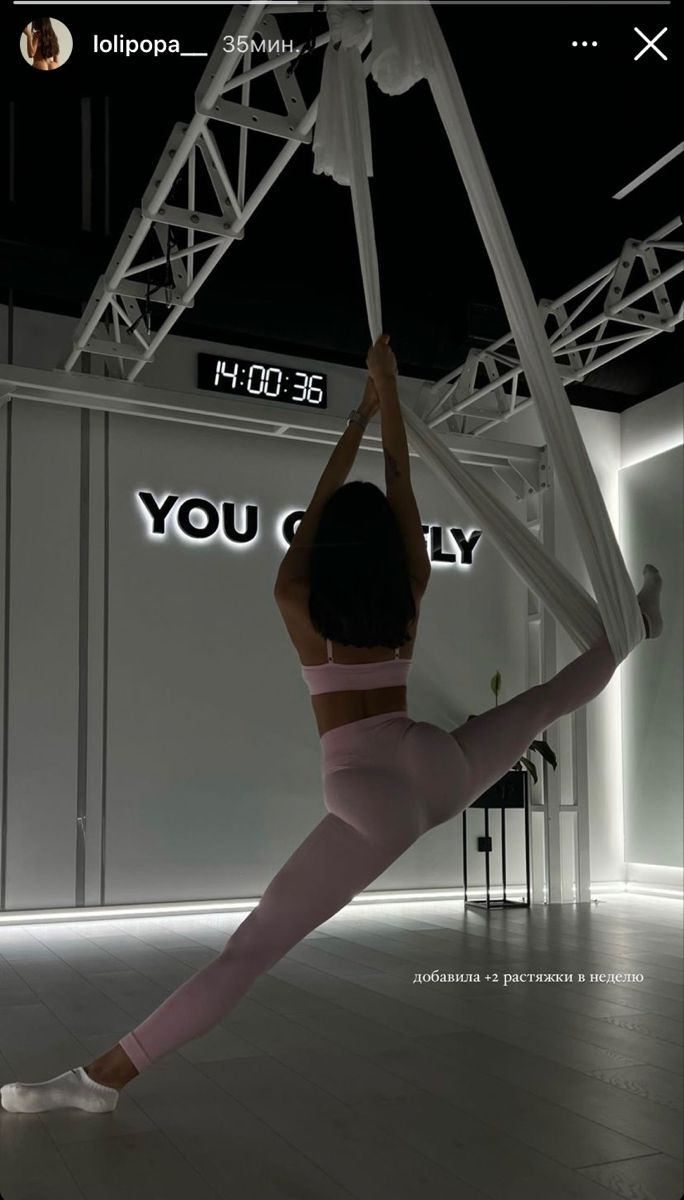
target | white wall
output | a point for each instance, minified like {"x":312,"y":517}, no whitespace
{"x":652,"y":499}
{"x":616,"y":442}
{"x":653,"y":426}
{"x":654,"y":429}
{"x":195,"y":759}
{"x":601,"y":435}
{"x":652,"y":514}
{"x":177,"y":802}
{"x":42,"y":667}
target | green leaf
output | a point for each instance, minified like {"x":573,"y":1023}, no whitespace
{"x":495,"y":683}
{"x":530,"y":767}
{"x":546,"y":752}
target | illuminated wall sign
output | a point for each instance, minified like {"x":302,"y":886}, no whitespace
{"x":197,"y":509}
{"x":245,"y":377}
{"x":199,"y":519}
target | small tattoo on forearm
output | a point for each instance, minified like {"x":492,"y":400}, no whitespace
{"x":392,"y":471}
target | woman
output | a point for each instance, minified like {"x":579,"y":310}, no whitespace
{"x":42,"y":44}
{"x":349,"y":589}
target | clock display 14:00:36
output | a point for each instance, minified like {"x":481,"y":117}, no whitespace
{"x":269,"y":381}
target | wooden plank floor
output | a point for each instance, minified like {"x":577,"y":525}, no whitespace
{"x":338,"y":1077}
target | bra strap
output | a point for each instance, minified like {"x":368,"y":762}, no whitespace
{"x":396,"y":652}
{"x":329,"y":645}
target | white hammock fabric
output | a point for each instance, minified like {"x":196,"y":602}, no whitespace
{"x":343,"y":81}
{"x":408,"y":45}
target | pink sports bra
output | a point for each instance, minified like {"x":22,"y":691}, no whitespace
{"x":347,"y":677}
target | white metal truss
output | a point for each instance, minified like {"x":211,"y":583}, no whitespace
{"x":116,"y":321}
{"x":523,"y":466}
{"x":193,"y":234}
{"x":608,"y":319}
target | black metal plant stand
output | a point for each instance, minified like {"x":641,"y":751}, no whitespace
{"x":512,"y":791}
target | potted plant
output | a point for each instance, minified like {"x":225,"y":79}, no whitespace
{"x":506,"y":787}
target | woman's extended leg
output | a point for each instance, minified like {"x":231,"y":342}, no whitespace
{"x":494,"y":741}
{"x":333,"y":864}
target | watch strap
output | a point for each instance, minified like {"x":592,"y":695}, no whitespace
{"x":357,"y":418}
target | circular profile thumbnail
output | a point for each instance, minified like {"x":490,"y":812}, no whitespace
{"x":46,"y":44}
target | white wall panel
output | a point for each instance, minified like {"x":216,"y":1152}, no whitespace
{"x":201,"y":766}
{"x":43,"y":680}
{"x":212,"y":755}
{"x":652,"y":503}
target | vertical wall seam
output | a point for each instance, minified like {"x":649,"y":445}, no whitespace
{"x":83,"y":632}
{"x":105,"y":657}
{"x":6,"y":653}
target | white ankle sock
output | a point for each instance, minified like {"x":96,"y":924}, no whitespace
{"x":73,"y":1089}
{"x":649,"y":600}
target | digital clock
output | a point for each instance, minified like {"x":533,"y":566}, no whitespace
{"x":244,"y":377}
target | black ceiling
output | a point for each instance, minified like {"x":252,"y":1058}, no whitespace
{"x":563,"y":128}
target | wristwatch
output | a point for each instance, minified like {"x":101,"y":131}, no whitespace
{"x":357,"y":418}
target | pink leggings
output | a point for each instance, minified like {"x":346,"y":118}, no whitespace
{"x":386,"y":779}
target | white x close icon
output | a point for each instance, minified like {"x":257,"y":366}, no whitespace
{"x":650,"y":43}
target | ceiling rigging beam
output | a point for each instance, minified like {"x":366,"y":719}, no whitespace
{"x":622,"y":305}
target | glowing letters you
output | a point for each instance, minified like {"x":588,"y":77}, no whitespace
{"x":199,"y":519}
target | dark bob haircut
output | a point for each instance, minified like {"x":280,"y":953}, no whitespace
{"x":360,"y":590}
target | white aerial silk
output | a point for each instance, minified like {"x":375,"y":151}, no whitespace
{"x":408,"y":45}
